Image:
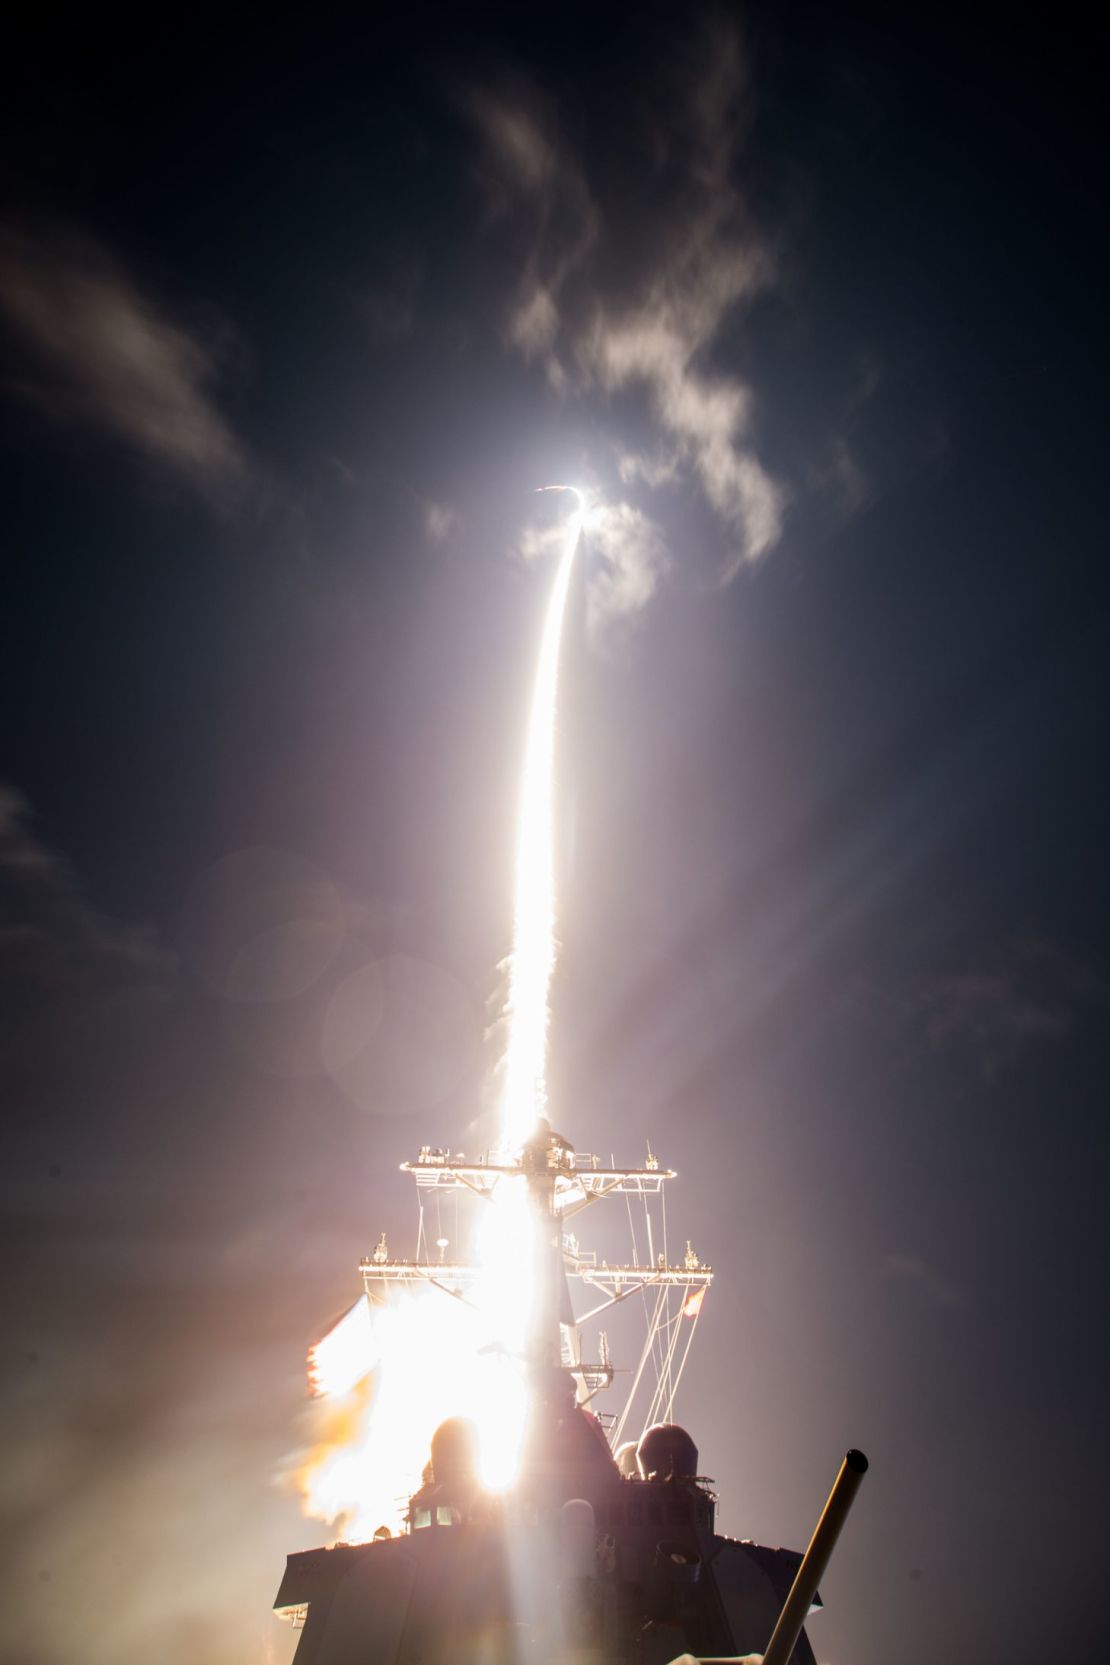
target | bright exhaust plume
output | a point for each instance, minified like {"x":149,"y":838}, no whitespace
{"x":385,"y":1376}
{"x":533,"y":956}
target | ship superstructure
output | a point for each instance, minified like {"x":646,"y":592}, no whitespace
{"x":568,"y":1332}
{"x":604,"y":1550}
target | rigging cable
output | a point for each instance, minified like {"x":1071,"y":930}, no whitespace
{"x":675,"y":1326}
{"x":666,"y":1252}
{"x":685,"y":1356}
{"x":644,"y":1356}
{"x":651,"y":1262}
{"x":636,"y":1251}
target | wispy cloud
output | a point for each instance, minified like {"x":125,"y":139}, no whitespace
{"x":100,"y":352}
{"x":54,"y":944}
{"x":838,"y":475}
{"x":628,"y":560}
{"x":525,"y":166}
{"x":654,"y":328}
{"x":441,"y":521}
{"x":1024,"y":994}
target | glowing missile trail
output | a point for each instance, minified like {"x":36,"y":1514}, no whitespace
{"x":386,"y":1377}
{"x":533,"y":955}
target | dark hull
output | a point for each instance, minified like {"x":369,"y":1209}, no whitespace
{"x":521,"y":1582}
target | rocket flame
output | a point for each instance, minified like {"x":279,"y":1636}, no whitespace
{"x":386,"y":1382}
{"x":533,"y":957}
{"x":345,"y":1356}
{"x":385,"y":1376}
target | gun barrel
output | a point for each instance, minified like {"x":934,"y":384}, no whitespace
{"x":816,"y":1559}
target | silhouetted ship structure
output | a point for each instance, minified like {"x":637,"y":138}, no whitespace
{"x":602,"y":1552}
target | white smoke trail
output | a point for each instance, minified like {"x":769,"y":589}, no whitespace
{"x":533,"y":955}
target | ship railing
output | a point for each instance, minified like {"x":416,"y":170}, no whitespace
{"x":613,"y":1280}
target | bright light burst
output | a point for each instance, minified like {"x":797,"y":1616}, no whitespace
{"x":386,"y":1376}
{"x":387,"y":1381}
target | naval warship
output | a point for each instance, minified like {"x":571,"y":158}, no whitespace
{"x":604,"y":1549}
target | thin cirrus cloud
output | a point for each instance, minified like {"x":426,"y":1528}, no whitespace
{"x":606,"y":308}
{"x":441,"y":521}
{"x":1025,"y":994}
{"x":56,"y":947}
{"x":99,"y":352}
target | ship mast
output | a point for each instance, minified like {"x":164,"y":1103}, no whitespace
{"x":561,"y":1185}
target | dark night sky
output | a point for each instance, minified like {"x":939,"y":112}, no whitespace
{"x":294,"y":320}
